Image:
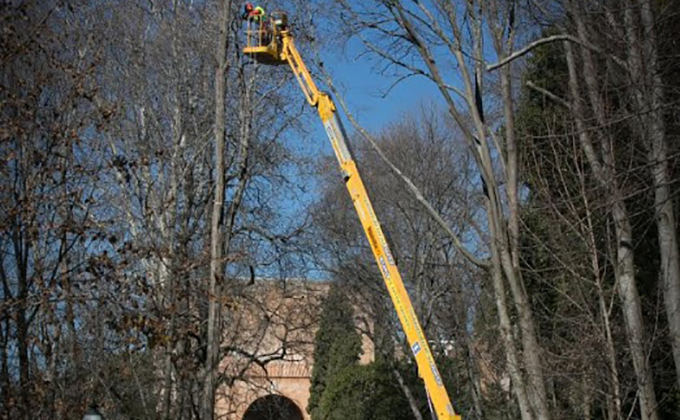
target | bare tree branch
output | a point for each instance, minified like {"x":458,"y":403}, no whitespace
{"x":411,"y":186}
{"x":548,"y":94}
{"x":547,"y":40}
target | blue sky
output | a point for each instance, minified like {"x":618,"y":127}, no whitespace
{"x":363,"y":89}
{"x":374,"y":98}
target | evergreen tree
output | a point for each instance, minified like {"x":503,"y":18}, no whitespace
{"x":337,"y":345}
{"x":567,"y":260}
{"x":343,"y":389}
{"x":367,"y":392}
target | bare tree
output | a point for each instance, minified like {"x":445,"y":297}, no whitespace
{"x":217,"y":230}
{"x":113,"y":190}
{"x":604,"y":165}
{"x":438,"y":276}
{"x":420,"y":39}
{"x":50,"y":216}
{"x":646,"y":88}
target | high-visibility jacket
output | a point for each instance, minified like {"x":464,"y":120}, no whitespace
{"x":257,"y":13}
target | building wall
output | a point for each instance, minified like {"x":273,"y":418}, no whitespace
{"x":295,"y":311}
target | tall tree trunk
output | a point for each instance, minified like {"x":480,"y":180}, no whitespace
{"x":168,"y":367}
{"x":510,"y":248}
{"x":632,"y":310}
{"x":587,"y":403}
{"x":4,"y":368}
{"x":168,"y":228}
{"x":508,"y":338}
{"x":648,"y":100}
{"x":20,"y":249}
{"x":207,"y":407}
{"x":625,"y":269}
{"x":532,"y":358}
{"x":474,"y":377}
{"x":509,"y":243}
{"x":500,"y":255}
{"x":412,"y":402}
{"x":613,"y":397}
{"x":22,"y":339}
{"x":477,"y":133}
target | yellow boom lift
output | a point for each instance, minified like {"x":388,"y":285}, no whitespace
{"x":270,"y":41}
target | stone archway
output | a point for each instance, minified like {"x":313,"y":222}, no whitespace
{"x":273,"y":407}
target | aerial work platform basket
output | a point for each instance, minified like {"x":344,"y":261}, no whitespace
{"x":264,"y":38}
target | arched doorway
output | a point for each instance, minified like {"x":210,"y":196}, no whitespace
{"x":273,"y":407}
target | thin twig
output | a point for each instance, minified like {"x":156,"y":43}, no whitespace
{"x":548,"y":94}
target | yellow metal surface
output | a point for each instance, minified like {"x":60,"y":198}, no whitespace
{"x":291,"y":54}
{"x":263,"y":44}
{"x":265,"y":55}
{"x":427,"y":367}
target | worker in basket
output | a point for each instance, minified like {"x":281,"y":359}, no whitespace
{"x":255,"y":14}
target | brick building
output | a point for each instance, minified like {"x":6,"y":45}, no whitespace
{"x":276,"y":323}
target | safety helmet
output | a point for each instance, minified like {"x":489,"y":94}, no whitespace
{"x":249,"y":6}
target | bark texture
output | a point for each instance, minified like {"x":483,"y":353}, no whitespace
{"x":216,"y":234}
{"x":625,"y":269}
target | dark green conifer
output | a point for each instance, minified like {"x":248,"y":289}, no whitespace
{"x":337,"y":344}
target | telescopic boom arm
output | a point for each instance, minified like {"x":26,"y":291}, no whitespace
{"x":281,"y":50}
